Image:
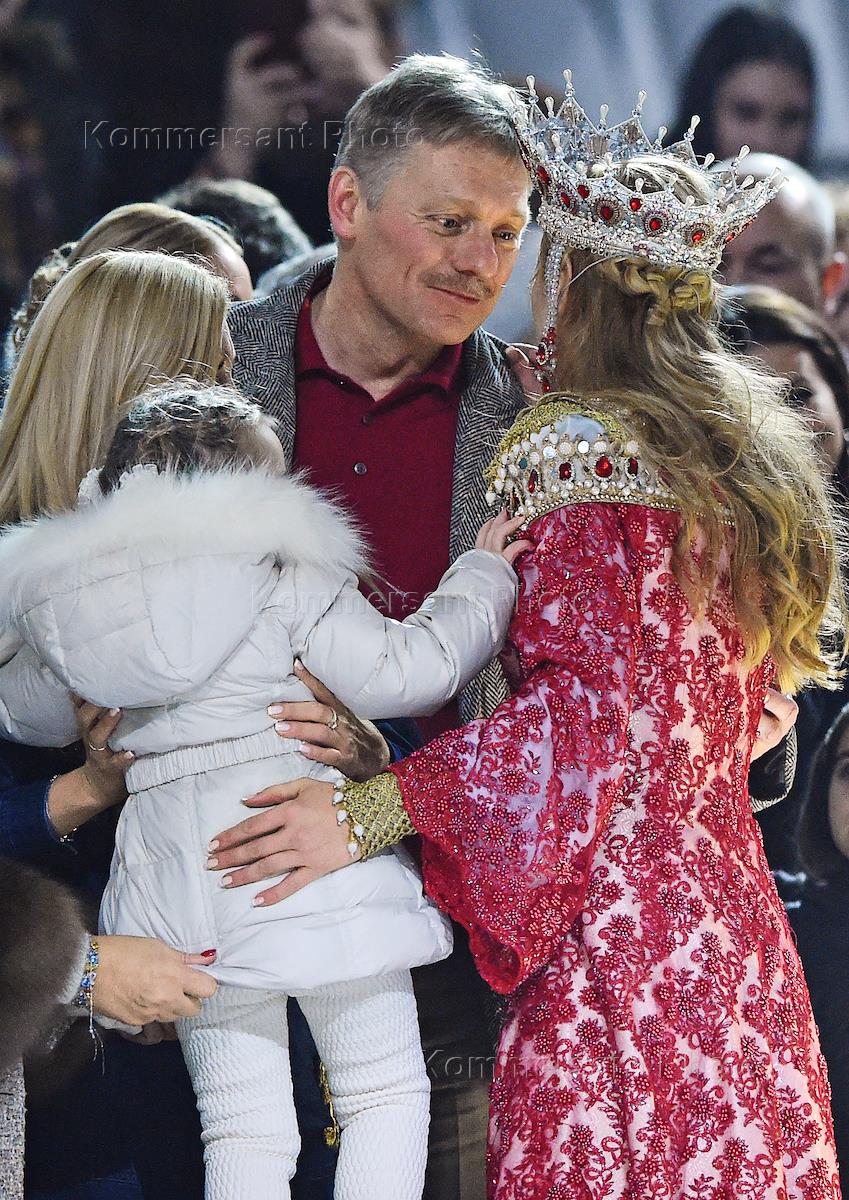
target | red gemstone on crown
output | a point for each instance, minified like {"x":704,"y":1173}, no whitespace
{"x":604,"y":467}
{"x":636,"y":204}
{"x":583,"y":191}
{"x":543,"y":176}
{"x":698,"y":235}
{"x":633,"y":466}
{"x":565,"y":471}
{"x":568,"y":201}
{"x":606,"y":213}
{"x":655,"y":224}
{"x":533,"y":480}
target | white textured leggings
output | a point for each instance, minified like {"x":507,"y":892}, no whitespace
{"x":367,"y":1034}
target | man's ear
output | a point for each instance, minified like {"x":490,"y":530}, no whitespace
{"x":835,"y":278}
{"x":345,"y":199}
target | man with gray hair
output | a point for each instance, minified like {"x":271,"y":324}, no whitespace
{"x":792,"y":246}
{"x":389,"y":393}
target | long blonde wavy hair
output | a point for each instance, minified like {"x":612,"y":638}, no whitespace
{"x":116,"y":324}
{"x":644,"y":340}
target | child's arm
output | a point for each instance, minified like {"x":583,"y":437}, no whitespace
{"x":35,"y":706}
{"x":381,"y":667}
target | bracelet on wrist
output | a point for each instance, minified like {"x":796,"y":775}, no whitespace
{"x":375,"y":814}
{"x":64,"y":839}
{"x":356,"y":832}
{"x":85,"y":995}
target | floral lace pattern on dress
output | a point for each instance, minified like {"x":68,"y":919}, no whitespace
{"x":595,"y":837}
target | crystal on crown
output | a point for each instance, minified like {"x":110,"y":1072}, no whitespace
{"x":584,"y":204}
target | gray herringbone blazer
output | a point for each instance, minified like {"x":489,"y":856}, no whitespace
{"x":264,"y":335}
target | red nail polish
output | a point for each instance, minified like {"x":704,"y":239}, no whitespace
{"x":208,"y":953}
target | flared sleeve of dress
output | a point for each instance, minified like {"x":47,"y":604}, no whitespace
{"x":510,"y":807}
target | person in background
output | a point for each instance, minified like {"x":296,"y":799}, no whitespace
{"x":793,"y":247}
{"x":753,"y":83}
{"x":838,"y":190}
{"x":817,"y":903}
{"x":796,"y":342}
{"x":267,"y":233}
{"x":48,"y":183}
{"x":333,"y":50}
{"x":135,"y":227}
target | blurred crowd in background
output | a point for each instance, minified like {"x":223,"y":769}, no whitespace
{"x":231,"y":112}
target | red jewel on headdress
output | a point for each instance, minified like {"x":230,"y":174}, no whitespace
{"x":567,"y":200}
{"x":542,"y":354}
{"x":729,"y":237}
{"x":583,"y":191}
{"x":655,"y":224}
{"x":636,"y":204}
{"x":606,"y":212}
{"x":565,"y":471}
{"x":550,"y":335}
{"x":533,"y":480}
{"x":604,"y":467}
{"x":543,"y":176}
{"x":698,"y":235}
{"x":633,"y":466}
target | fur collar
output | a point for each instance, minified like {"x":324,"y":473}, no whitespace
{"x":216,"y":512}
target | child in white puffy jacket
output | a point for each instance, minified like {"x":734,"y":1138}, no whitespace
{"x":180,"y":590}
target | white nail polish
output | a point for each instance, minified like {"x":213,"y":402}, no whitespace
{"x":258,"y":901}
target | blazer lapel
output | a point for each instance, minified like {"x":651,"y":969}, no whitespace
{"x":264,"y":336}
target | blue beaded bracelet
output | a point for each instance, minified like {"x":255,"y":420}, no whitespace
{"x":84,"y":997}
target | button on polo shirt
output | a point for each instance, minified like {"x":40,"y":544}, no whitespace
{"x":389,"y":461}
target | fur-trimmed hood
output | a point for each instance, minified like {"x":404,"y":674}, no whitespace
{"x":165,"y":576}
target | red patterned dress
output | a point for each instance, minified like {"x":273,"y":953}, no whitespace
{"x":595,"y":837}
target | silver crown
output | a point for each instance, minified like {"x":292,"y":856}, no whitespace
{"x":590,"y":209}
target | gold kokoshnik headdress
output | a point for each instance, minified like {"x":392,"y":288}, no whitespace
{"x":584,"y":205}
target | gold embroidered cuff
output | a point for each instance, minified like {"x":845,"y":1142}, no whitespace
{"x":376,"y":807}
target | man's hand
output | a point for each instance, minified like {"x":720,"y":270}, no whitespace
{"x":298,"y":833}
{"x":777,"y":719}
{"x":330,"y":732}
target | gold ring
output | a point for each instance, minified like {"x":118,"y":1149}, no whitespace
{"x":96,"y":749}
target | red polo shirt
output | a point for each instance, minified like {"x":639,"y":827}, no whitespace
{"x":390,"y":462}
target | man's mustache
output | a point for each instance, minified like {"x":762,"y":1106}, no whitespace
{"x":475,"y":289}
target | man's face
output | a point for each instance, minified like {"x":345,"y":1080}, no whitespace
{"x":779,"y":249}
{"x":436,"y":250}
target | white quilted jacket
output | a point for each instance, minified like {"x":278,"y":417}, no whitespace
{"x":184,"y":601}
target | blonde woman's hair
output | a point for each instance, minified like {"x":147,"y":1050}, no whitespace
{"x":130,"y":227}
{"x":116,"y":324}
{"x":644,"y":339}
